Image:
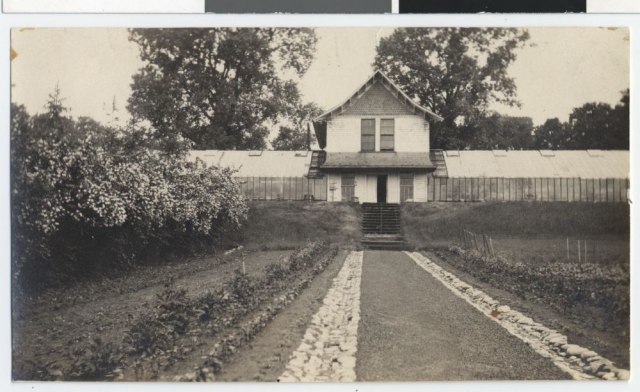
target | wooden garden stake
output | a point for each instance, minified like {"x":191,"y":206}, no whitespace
{"x":244,"y":271}
{"x":579,"y":257}
{"x":585,"y":251}
{"x":485,"y":248}
{"x":484,"y":244}
{"x":567,"y":248}
{"x":491,"y":247}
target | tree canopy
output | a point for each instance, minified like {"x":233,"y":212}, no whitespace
{"x":502,"y":132}
{"x":552,"y":135}
{"x":292,"y":139}
{"x":594,"y":125}
{"x":218,"y":88}
{"x":454,"y":72}
{"x":293,"y":136}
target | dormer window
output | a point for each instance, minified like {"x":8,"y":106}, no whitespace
{"x":387,"y":131}
{"x":368,"y":132}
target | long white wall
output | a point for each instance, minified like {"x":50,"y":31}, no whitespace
{"x":411,"y":134}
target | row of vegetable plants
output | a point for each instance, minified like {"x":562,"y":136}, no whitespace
{"x":179,"y":324}
{"x":561,"y":285}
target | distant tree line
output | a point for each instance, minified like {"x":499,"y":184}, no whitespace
{"x":591,"y":126}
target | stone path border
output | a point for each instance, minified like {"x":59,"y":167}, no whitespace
{"x":579,"y":362}
{"x":328,"y":349}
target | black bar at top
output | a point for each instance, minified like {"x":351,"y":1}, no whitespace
{"x":298,"y":6}
{"x":495,"y":6}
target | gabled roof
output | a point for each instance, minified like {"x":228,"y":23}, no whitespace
{"x":381,"y":78}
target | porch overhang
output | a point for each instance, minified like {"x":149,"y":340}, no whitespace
{"x":377,"y":162}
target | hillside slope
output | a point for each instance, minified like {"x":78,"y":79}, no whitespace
{"x":427,"y":222}
{"x":287,"y":224}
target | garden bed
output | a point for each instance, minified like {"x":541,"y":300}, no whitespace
{"x":589,"y":302}
{"x":85,"y":342}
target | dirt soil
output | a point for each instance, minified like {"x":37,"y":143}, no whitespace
{"x":265,"y":358}
{"x":613,"y":345}
{"x":49,"y":332}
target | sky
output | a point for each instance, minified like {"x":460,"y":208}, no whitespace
{"x":559,"y":69}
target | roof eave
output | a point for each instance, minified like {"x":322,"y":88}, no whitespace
{"x":385,"y":167}
{"x":407,"y":100}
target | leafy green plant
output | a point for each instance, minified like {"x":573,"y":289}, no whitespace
{"x":100,"y":361}
{"x":561,"y":284}
{"x":29,"y":370}
{"x":172,"y":315}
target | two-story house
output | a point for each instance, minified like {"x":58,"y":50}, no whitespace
{"x":376,"y":145}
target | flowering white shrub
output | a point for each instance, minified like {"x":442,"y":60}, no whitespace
{"x":82,"y":192}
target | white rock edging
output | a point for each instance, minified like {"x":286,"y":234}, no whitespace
{"x":328,"y":349}
{"x":579,"y":362}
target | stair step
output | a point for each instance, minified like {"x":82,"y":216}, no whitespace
{"x":381,"y":244}
{"x":381,"y":219}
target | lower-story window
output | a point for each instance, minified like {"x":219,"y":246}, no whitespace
{"x":406,"y":187}
{"x":348,"y":182}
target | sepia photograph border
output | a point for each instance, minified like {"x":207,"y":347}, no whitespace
{"x":128,"y":21}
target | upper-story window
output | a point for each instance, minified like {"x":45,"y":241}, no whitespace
{"x":368,"y":129}
{"x":387,"y":130}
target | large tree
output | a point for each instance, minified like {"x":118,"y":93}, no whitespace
{"x":295,"y":134}
{"x":219,"y":88}
{"x":554,"y":135}
{"x":502,"y":132}
{"x":291,"y":139}
{"x":598,"y":125}
{"x":455,"y":72}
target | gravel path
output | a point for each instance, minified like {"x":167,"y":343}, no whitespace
{"x":328,"y":349}
{"x":412,"y":328}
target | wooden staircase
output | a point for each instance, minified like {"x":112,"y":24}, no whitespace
{"x":317,"y":159}
{"x":381,"y":226}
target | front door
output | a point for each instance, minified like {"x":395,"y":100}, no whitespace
{"x":382,"y":189}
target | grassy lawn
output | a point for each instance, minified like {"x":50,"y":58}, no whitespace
{"x":288,"y":224}
{"x":602,"y":250}
{"x":527,"y":232}
{"x":424,"y":223}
